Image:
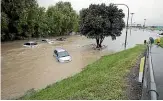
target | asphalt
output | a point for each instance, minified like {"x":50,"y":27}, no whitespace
{"x":157,"y":61}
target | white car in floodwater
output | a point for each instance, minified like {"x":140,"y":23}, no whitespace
{"x":161,"y":34}
{"x":30,"y":44}
{"x":48,"y":41}
{"x":62,"y":55}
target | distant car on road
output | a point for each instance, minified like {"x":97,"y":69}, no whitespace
{"x":30,"y":44}
{"x":62,"y":55}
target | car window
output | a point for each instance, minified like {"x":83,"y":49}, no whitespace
{"x":33,"y":43}
{"x":63,"y":54}
{"x":26,"y":43}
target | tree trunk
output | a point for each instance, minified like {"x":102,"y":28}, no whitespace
{"x":100,"y":44}
{"x":97,"y":42}
{"x":101,"y":40}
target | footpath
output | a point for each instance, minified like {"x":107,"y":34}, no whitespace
{"x":157,"y":62}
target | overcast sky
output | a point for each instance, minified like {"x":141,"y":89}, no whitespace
{"x":152,"y":10}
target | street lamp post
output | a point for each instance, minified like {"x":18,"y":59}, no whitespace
{"x":144,"y":22}
{"x":131,"y":18}
{"x":127,"y":23}
{"x":131,"y":21}
{"x":134,"y":24}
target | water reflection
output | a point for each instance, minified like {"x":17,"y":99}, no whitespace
{"x":137,"y":37}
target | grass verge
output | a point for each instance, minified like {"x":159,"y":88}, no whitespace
{"x":103,"y":79}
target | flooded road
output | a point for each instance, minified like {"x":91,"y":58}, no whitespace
{"x":26,"y":68}
{"x":135,"y":37}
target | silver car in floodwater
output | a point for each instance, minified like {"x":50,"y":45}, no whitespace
{"x":62,"y":55}
{"x":30,"y":44}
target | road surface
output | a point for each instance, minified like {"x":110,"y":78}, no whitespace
{"x":157,"y":61}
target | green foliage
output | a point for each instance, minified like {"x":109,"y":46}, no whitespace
{"x":25,"y":19}
{"x":161,"y":42}
{"x":4,"y":25}
{"x":100,"y":21}
{"x":102,"y":80}
{"x":62,"y":18}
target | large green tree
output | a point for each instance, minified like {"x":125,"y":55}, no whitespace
{"x":4,"y":25}
{"x":25,"y":19}
{"x":62,"y":18}
{"x":20,"y":16}
{"x":100,"y":21}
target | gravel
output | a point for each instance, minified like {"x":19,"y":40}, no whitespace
{"x":134,"y":88}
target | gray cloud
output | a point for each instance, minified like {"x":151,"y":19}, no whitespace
{"x":152,"y":10}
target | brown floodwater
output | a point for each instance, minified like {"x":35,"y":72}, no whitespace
{"x":26,"y":68}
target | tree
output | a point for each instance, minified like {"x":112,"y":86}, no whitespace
{"x":4,"y":25}
{"x":62,"y":18}
{"x":20,"y":15}
{"x":25,"y":19}
{"x":100,"y":21}
{"x":41,"y":26}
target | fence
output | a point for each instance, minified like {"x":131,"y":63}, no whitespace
{"x":149,"y":91}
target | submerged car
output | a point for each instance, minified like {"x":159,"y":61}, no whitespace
{"x":30,"y":44}
{"x":62,"y":55}
{"x":61,"y":39}
{"x":48,"y":41}
{"x":161,"y":34}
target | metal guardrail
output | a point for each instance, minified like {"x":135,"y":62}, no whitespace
{"x":151,"y":85}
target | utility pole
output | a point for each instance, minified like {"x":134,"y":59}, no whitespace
{"x":126,"y":25}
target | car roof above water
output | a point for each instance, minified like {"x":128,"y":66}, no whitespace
{"x":59,"y":50}
{"x":31,"y":42}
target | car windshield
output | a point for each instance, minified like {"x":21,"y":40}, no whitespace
{"x":26,"y":43}
{"x":63,"y":54}
{"x":33,"y":43}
